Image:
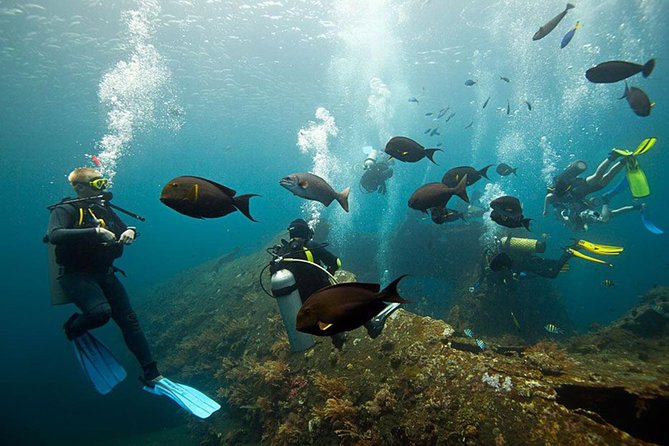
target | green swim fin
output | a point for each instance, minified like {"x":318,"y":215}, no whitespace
{"x":645,"y":146}
{"x":636,"y":178}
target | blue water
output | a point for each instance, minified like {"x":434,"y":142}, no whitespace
{"x":222,"y":90}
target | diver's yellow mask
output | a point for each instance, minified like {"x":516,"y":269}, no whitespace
{"x":99,"y":183}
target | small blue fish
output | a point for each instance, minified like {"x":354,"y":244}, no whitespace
{"x":485,"y":104}
{"x":450,"y":116}
{"x":505,"y":79}
{"x":469,"y":125}
{"x":468,"y":332}
{"x":529,"y":106}
{"x":439,"y":144}
{"x":482,"y":345}
{"x":435,"y":132}
{"x":469,"y":82}
{"x":413,"y":100}
{"x":567,"y":37}
{"x":429,"y":114}
{"x":427,"y":131}
{"x":442,"y":112}
{"x":552,"y":328}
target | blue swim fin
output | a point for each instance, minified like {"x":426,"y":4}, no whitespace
{"x":98,"y":363}
{"x":185,"y":396}
{"x":615,"y":190}
{"x":649,"y":224}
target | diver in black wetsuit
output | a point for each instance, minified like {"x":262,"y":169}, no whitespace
{"x":376,"y":174}
{"x":89,"y":236}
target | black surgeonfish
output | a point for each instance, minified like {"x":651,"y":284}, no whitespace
{"x":617,"y":70}
{"x":312,"y":187}
{"x":504,"y":169}
{"x":441,"y":215}
{"x":550,"y":26}
{"x":453,"y":176}
{"x":345,"y":307}
{"x":408,"y":151}
{"x":510,"y":222}
{"x":507,"y":205}
{"x":638,"y":100}
{"x":433,"y":195}
{"x":201,"y":198}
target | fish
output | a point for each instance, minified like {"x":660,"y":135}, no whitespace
{"x":469,"y":125}
{"x":313,"y":187}
{"x":510,"y":222}
{"x":439,"y":144}
{"x":500,"y":262}
{"x":570,"y":34}
{"x":408,"y":151}
{"x":505,"y":79}
{"x":507,"y":205}
{"x":96,"y":161}
{"x":638,"y":100}
{"x":552,"y":328}
{"x":449,"y":117}
{"x":515,"y":321}
{"x":504,"y":169}
{"x":551,"y":24}
{"x":468,"y":332}
{"x":469,"y":82}
{"x":345,"y":307}
{"x":608,"y":283}
{"x":434,"y":195}
{"x":485,"y":103}
{"x":617,"y":70}
{"x":413,"y":100}
{"x":657,"y":308}
{"x":482,"y":345}
{"x":441,"y":215}
{"x":429,"y":114}
{"x":427,"y":131}
{"x":452,"y":177}
{"x":202,"y":198}
{"x":508,"y":107}
{"x":442,"y":112}
{"x":529,"y":106}
{"x":435,"y":131}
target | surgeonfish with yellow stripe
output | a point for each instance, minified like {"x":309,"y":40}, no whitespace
{"x":201,"y":198}
{"x":408,"y":151}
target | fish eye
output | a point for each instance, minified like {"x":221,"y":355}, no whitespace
{"x":173,"y":184}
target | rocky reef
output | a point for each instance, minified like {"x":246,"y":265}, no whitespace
{"x":420,"y":382}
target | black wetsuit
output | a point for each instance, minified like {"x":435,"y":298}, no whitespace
{"x":548,"y":268}
{"x":374,"y":178}
{"x":88,"y":275}
{"x":308,"y":279}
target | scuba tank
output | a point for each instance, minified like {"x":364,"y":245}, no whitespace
{"x":288,"y":298}
{"x":371,"y":158}
{"x":524,"y":245}
{"x":572,"y":171}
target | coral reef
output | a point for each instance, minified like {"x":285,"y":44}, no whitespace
{"x":417,"y":383}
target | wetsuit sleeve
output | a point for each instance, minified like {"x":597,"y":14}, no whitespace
{"x":62,"y":231}
{"x":330,"y":260}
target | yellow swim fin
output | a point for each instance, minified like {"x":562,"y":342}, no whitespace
{"x":580,"y":255}
{"x":622,"y":152}
{"x":636,"y":178}
{"x":607,"y":250}
{"x":645,"y":145}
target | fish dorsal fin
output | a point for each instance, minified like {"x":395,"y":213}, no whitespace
{"x":374,"y":287}
{"x":324,"y":326}
{"x":226,"y":190}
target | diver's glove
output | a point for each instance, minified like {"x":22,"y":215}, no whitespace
{"x":127,"y":237}
{"x":105,"y":235}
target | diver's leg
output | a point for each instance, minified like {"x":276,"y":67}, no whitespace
{"x":126,"y":319}
{"x":547,"y":268}
{"x":611,"y":173}
{"x":375,"y":325}
{"x":625,"y":209}
{"x":86,"y":293}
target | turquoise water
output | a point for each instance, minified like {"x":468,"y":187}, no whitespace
{"x":247,"y":93}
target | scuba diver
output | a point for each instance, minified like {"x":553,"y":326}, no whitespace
{"x":512,"y":259}
{"x":301,"y":267}
{"x":376,"y":173}
{"x":85,"y":236}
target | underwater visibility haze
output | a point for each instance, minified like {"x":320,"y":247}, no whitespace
{"x":208,"y":108}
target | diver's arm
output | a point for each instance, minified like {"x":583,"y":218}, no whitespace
{"x":61,"y":229}
{"x":330,"y":260}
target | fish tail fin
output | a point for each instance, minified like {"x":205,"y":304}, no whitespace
{"x":390,"y":293}
{"x":484,"y":172}
{"x":526,"y":223}
{"x":461,"y":189}
{"x":569,"y":6}
{"x":430,"y":153}
{"x":648,"y":68}
{"x":514,"y":171}
{"x":241,"y":202}
{"x":342,"y":198}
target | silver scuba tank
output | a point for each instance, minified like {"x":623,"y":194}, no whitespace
{"x":287,"y":297}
